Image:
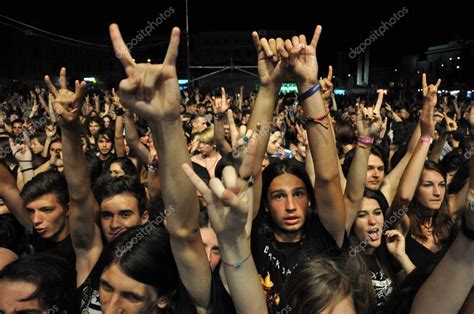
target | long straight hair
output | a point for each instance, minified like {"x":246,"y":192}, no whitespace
{"x":442,"y":220}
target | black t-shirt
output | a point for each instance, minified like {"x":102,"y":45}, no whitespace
{"x":275,"y":261}
{"x":381,"y":282}
{"x":61,"y":248}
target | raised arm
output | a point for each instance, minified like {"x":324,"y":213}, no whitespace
{"x":411,"y":175}
{"x":133,"y":140}
{"x":229,"y":204}
{"x":330,"y":201}
{"x":11,"y":196}
{"x":369,"y":124}
{"x":85,"y":234}
{"x":152,"y":91}
{"x":272,"y":63}
{"x":119,"y":140}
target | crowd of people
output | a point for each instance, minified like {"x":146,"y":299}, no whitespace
{"x":148,"y":199}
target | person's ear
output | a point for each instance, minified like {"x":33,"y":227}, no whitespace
{"x":145,"y":217}
{"x":163,"y":302}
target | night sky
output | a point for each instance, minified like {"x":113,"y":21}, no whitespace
{"x":344,"y":25}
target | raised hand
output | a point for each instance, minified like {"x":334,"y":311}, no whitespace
{"x":220,"y":104}
{"x":302,"y":57}
{"x":451,"y":125}
{"x":67,"y":104}
{"x":369,"y":121}
{"x":272,"y":60}
{"x":430,"y":92}
{"x":327,"y":87}
{"x":228,"y":201}
{"x":395,"y":242}
{"x":239,"y":136}
{"x":150,"y":90}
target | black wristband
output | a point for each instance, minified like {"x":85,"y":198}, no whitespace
{"x":468,"y":233}
{"x":119,"y":111}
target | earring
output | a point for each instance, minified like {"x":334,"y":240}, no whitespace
{"x":309,"y":204}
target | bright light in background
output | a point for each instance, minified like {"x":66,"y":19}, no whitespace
{"x":148,"y":60}
{"x":90,"y":79}
{"x":288,"y":88}
{"x":442,"y":65}
{"x":459,"y":58}
{"x":450,"y":59}
{"x":396,"y":70}
{"x":348,"y":75}
{"x":457,"y":67}
{"x":339,"y":91}
{"x":182,"y":82}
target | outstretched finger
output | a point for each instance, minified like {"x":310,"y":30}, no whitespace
{"x":316,"y":35}
{"x":438,"y":83}
{"x":329,"y":77}
{"x":120,"y":48}
{"x":62,"y":78}
{"x":51,"y":86}
{"x":379,"y":102}
{"x":172,"y":52}
{"x":424,"y":86}
{"x":256,"y":41}
{"x":195,"y":180}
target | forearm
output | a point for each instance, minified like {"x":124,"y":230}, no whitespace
{"x":406,"y":263}
{"x":356,"y":184}
{"x":447,"y":287}
{"x":263,"y":113}
{"x":133,"y":140}
{"x":438,"y":147}
{"x":219,"y":137}
{"x":412,"y":173}
{"x":75,"y":165}
{"x":119,"y":143}
{"x":330,"y":201}
{"x":44,"y":153}
{"x":244,"y":284}
{"x":177,"y":190}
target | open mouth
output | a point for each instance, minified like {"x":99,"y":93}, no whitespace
{"x":374,"y":234}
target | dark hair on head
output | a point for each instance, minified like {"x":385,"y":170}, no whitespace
{"x":12,"y":234}
{"x":107,"y":186}
{"x":229,"y":159}
{"x":41,"y":137}
{"x":142,"y":129}
{"x":204,"y":221}
{"x":460,"y":178}
{"x":442,"y":221}
{"x":149,"y":260}
{"x":107,"y":133}
{"x":345,"y":133}
{"x":91,"y":119}
{"x":51,"y":275}
{"x":46,"y":183}
{"x":360,"y":260}
{"x":126,"y":164}
{"x":276,"y":169}
{"x":17,"y":121}
{"x":316,"y":285}
{"x":452,"y":161}
{"x":375,"y":150}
